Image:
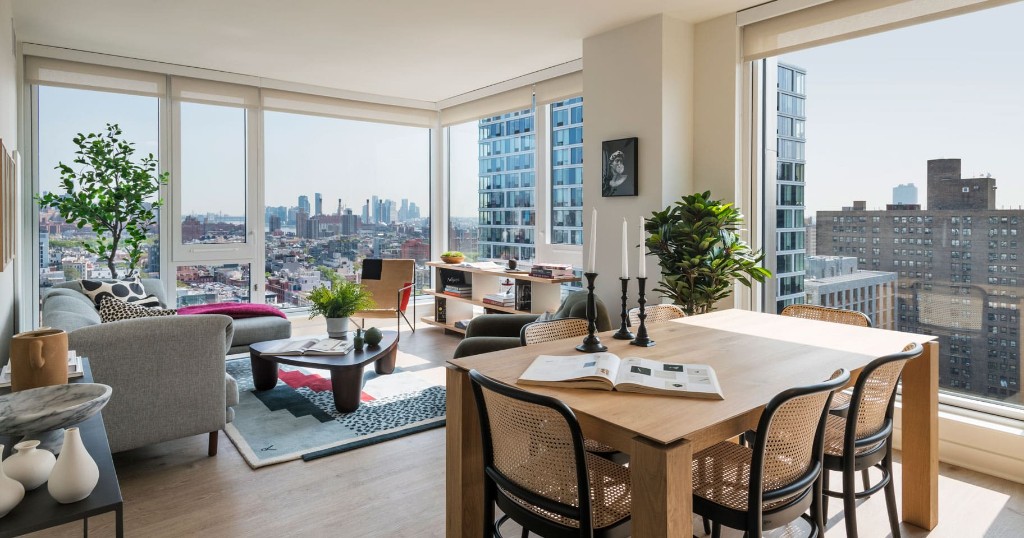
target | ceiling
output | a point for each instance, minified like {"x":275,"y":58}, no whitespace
{"x":415,"y":49}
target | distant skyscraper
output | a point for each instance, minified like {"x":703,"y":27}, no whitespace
{"x":319,"y":204}
{"x":904,"y":194}
{"x":304,"y":203}
{"x":414,"y":211}
{"x":507,"y":193}
{"x":366,"y":213}
{"x":375,"y":209}
{"x":302,"y":224}
{"x":567,"y":172}
{"x":789,"y":202}
{"x":275,"y":223}
{"x":403,"y":211}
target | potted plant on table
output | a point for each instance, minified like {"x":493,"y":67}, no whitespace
{"x":452,"y":256}
{"x":338,"y":302}
{"x":701,"y":253}
{"x":113,"y":193}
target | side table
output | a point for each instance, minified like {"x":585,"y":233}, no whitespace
{"x":38,"y":510}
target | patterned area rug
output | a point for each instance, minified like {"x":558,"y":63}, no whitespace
{"x":297,"y":419}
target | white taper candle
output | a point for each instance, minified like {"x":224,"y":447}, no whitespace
{"x":642,"y":271}
{"x":592,"y":259}
{"x":625,"y":251}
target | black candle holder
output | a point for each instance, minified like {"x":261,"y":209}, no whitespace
{"x":624,"y":333}
{"x":641,"y":332}
{"x":591,"y":344}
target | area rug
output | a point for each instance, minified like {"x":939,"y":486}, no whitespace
{"x":297,"y":419}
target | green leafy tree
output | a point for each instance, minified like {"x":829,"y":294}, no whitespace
{"x":700,"y":252}
{"x":342,"y":299}
{"x":112,"y":193}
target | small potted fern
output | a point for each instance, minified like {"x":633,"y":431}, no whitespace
{"x":338,"y":302}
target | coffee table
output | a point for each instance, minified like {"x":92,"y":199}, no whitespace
{"x":346,"y":370}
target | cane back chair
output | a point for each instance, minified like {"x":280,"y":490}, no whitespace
{"x":655,"y":313}
{"x":537,"y":472}
{"x":779,"y":479}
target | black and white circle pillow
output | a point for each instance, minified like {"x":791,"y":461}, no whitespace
{"x":112,"y":309}
{"x":128,"y":290}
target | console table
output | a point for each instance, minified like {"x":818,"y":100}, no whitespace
{"x":38,"y":510}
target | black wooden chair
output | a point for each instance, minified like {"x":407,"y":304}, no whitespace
{"x":779,"y":479}
{"x":866,"y":434}
{"x":535,"y":468}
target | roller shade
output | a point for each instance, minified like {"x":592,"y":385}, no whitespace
{"x":317,"y":105}
{"x":559,"y":88}
{"x":844,"y":19}
{"x":68,"y":74}
{"x":492,"y":105}
{"x":209,"y":92}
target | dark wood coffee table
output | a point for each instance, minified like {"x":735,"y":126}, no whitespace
{"x":346,"y":370}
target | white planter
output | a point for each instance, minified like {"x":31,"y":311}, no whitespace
{"x":11,"y":491}
{"x":337,"y":327}
{"x":29,"y":465}
{"x":75,"y":475}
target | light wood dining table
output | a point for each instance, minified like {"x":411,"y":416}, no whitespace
{"x":754,"y":355}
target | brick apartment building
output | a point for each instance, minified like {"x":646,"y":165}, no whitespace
{"x":960,"y":267}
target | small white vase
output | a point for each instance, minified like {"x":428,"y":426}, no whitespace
{"x":11,"y":491}
{"x":75,"y":475}
{"x":29,"y":465}
{"x":337,"y":327}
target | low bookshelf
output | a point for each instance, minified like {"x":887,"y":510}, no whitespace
{"x":533,"y":295}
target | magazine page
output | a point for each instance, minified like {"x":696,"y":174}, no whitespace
{"x":293,"y":347}
{"x":643,"y":375}
{"x":556,"y":370}
{"x":329,"y":346}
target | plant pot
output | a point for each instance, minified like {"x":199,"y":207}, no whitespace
{"x":337,"y":327}
{"x":449,"y":259}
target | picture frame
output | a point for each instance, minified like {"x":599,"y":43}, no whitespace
{"x":619,"y":175}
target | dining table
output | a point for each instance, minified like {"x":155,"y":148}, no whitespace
{"x":754,"y":355}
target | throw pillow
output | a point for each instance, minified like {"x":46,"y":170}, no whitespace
{"x":546,"y":316}
{"x":124,"y":290}
{"x":112,"y":309}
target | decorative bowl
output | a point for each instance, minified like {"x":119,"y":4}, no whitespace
{"x":44,"y":412}
{"x":450,"y":259}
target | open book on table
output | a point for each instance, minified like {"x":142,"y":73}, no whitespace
{"x":313,"y":346}
{"x":606,"y":371}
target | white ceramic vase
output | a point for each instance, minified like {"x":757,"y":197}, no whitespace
{"x":337,"y":327}
{"x":11,"y":491}
{"x":29,"y":465}
{"x":75,"y":475}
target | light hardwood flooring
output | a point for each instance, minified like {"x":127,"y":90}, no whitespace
{"x":396,"y":489}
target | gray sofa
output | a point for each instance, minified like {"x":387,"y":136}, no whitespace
{"x":167,"y":372}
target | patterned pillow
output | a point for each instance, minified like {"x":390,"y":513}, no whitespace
{"x":112,"y":309}
{"x":128,"y":290}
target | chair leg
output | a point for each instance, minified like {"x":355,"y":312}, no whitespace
{"x":890,"y":494}
{"x":824,"y":495}
{"x":526,"y":533}
{"x":707,"y":525}
{"x":866,"y":478}
{"x":716,"y":530}
{"x":211,"y":450}
{"x":816,"y":506}
{"x":850,"y":502}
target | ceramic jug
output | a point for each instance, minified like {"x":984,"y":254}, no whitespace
{"x":39,"y":359}
{"x":11,"y":491}
{"x":75,"y":475}
{"x":29,"y":465}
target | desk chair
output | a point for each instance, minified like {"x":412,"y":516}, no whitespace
{"x":535,"y":468}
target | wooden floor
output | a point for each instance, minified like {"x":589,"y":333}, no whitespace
{"x":396,"y":489}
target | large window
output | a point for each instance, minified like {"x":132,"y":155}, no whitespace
{"x":918,"y":243}
{"x":338,"y":191}
{"x":567,"y":172}
{"x":62,"y":114}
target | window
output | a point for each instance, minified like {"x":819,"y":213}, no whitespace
{"x":567,"y":172}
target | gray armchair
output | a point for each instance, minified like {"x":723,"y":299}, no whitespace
{"x":167,"y":372}
{"x":495,"y":332}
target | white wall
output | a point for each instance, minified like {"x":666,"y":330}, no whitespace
{"x":637,"y":81}
{"x":9,"y":134}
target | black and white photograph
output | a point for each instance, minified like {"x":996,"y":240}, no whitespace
{"x":619,"y":167}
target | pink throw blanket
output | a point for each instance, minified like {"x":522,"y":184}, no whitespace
{"x":235,"y":310}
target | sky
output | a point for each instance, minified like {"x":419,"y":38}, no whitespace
{"x":878,"y":107}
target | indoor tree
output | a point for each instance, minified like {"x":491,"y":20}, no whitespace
{"x":112,"y":193}
{"x":700,"y":252}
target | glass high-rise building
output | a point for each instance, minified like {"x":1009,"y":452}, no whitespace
{"x":567,"y":172}
{"x":508,"y":179}
{"x":789,"y":190}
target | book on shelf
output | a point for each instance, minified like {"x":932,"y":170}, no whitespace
{"x":462,"y":324}
{"x":459,"y":289}
{"x":74,"y":369}
{"x":464,"y":295}
{"x":524,"y":295}
{"x":500,"y":302}
{"x":313,"y":346}
{"x":551,"y":270}
{"x":606,"y":371}
{"x":440,"y":310}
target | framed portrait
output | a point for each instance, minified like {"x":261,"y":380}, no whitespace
{"x":619,"y":167}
